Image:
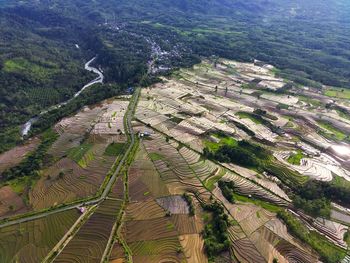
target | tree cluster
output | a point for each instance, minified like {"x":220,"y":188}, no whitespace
{"x":215,"y":235}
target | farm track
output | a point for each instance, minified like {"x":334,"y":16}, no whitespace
{"x":109,"y":184}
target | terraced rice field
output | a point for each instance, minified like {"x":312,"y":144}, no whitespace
{"x":187,"y":110}
{"x":90,"y":242}
{"x":150,"y":229}
{"x":155,"y":219}
{"x":182,"y":116}
{"x":73,"y":129}
{"x":173,"y":169}
{"x":81,"y":160}
{"x":112,"y":119}
{"x":246,"y":187}
{"x":193,"y":247}
{"x":117,"y":254}
{"x":118,"y":189}
{"x":185,"y":224}
{"x":261,"y":237}
{"x":75,"y":182}
{"x":150,"y":234}
{"x":32,"y":241}
{"x":321,"y":168}
{"x":144,"y":179}
{"x":144,"y":210}
{"x":258,"y":179}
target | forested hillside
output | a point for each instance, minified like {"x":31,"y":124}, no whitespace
{"x":309,"y":37}
{"x":40,"y":64}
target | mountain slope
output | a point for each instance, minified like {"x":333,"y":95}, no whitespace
{"x":40,"y":65}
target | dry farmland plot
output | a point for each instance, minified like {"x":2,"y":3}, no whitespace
{"x":117,"y":254}
{"x":112,"y":119}
{"x":15,"y":156}
{"x":10,"y":202}
{"x":160,"y":250}
{"x":174,"y":204}
{"x":90,"y":242}
{"x":31,"y":241}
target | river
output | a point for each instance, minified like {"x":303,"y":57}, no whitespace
{"x":27,"y":126}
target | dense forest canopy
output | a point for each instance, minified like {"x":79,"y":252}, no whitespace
{"x":41,"y":66}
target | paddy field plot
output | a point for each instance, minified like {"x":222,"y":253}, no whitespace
{"x":15,"y":156}
{"x":82,"y":155}
{"x":32,"y":241}
{"x":173,"y":168}
{"x":67,"y":180}
{"x":90,"y":241}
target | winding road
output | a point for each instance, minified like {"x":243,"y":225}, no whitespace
{"x":106,"y":190}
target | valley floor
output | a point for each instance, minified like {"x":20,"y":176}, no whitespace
{"x":133,"y":179}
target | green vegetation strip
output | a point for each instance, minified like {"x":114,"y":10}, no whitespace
{"x":255,"y":157}
{"x":332,"y":132}
{"x":190,"y":204}
{"x":258,"y":118}
{"x":266,"y":205}
{"x":215,"y":234}
{"x":227,"y":189}
{"x":114,"y":149}
{"x":338,"y":93}
{"x":247,"y":115}
{"x":295,"y":158}
{"x":77,"y":153}
{"x":31,"y":165}
{"x":155,"y":156}
{"x":222,"y":139}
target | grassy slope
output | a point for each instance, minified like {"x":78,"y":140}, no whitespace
{"x":332,"y":132}
{"x":114,"y":149}
{"x":296,"y":158}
